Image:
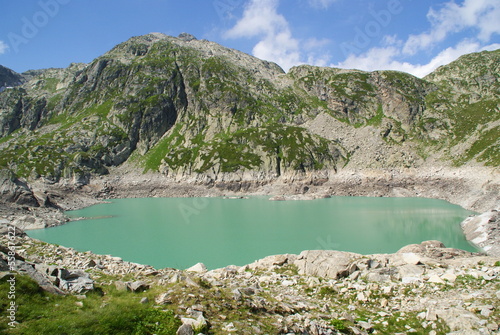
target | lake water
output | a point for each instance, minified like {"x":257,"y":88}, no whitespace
{"x":180,"y":232}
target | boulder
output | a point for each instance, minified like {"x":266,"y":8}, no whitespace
{"x":270,"y":261}
{"x":411,"y":258}
{"x":138,"y":286}
{"x":409,"y":270}
{"x":199,"y":268}
{"x":42,"y":280}
{"x":326,"y":263}
{"x":14,"y":190}
{"x":76,"y":281}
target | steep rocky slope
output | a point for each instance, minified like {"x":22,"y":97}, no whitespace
{"x":192,"y":108}
{"x":9,"y":78}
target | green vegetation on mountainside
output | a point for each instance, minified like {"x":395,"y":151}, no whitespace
{"x":196,"y":107}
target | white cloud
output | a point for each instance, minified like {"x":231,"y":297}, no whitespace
{"x":321,"y":4}
{"x":3,"y":47}
{"x":314,"y":43}
{"x":277,"y":44}
{"x":260,"y":19}
{"x":386,"y":58}
{"x":482,"y":15}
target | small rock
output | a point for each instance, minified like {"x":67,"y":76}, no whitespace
{"x":450,"y":277}
{"x":121,"y":286}
{"x":197,"y":323}
{"x":485,"y":312}
{"x":365,"y":325}
{"x":435,"y":279}
{"x":492,"y":326}
{"x":287,"y":283}
{"x":411,"y":258}
{"x":199,"y":268}
{"x":410,"y":280}
{"x":230,"y":327}
{"x":247,"y":291}
{"x":348,"y":317}
{"x":163,"y":299}
{"x":237,"y":294}
{"x":198,"y":308}
{"x":430,"y":314}
{"x":361,"y":297}
{"x":185,"y":330}
{"x":79,"y":303}
{"x":144,"y":300}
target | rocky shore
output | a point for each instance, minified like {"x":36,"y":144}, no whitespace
{"x":421,"y":289}
{"x":427,"y":288}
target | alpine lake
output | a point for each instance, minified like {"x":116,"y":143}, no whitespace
{"x":180,"y":232}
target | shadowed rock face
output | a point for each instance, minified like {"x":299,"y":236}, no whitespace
{"x":192,"y":108}
{"x":9,"y":78}
{"x":15,"y":190}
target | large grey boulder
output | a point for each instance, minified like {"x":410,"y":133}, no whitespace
{"x":14,"y":190}
{"x":326,"y":263}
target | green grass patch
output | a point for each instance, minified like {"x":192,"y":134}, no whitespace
{"x":112,"y":313}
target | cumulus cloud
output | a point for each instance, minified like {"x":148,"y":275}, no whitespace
{"x":476,"y":21}
{"x":386,"y":58}
{"x":261,"y":19}
{"x":3,"y":47}
{"x":276,"y":42}
{"x":481,"y":15}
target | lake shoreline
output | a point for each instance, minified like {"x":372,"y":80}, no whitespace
{"x":429,"y":287}
{"x":473,"y":188}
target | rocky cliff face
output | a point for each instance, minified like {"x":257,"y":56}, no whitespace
{"x":9,"y":78}
{"x":192,"y":108}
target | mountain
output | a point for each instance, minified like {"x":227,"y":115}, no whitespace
{"x":193,"y":108}
{"x":9,"y":78}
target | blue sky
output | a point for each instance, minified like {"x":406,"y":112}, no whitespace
{"x":415,"y":36}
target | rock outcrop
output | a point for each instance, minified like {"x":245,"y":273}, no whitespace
{"x":14,"y":190}
{"x":483,"y":231}
{"x":9,"y":78}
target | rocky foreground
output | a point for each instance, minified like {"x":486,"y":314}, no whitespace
{"x":421,"y":289}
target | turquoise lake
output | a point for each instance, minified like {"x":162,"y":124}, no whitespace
{"x":180,"y":232}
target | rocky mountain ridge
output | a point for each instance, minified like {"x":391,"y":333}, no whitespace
{"x":192,"y":108}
